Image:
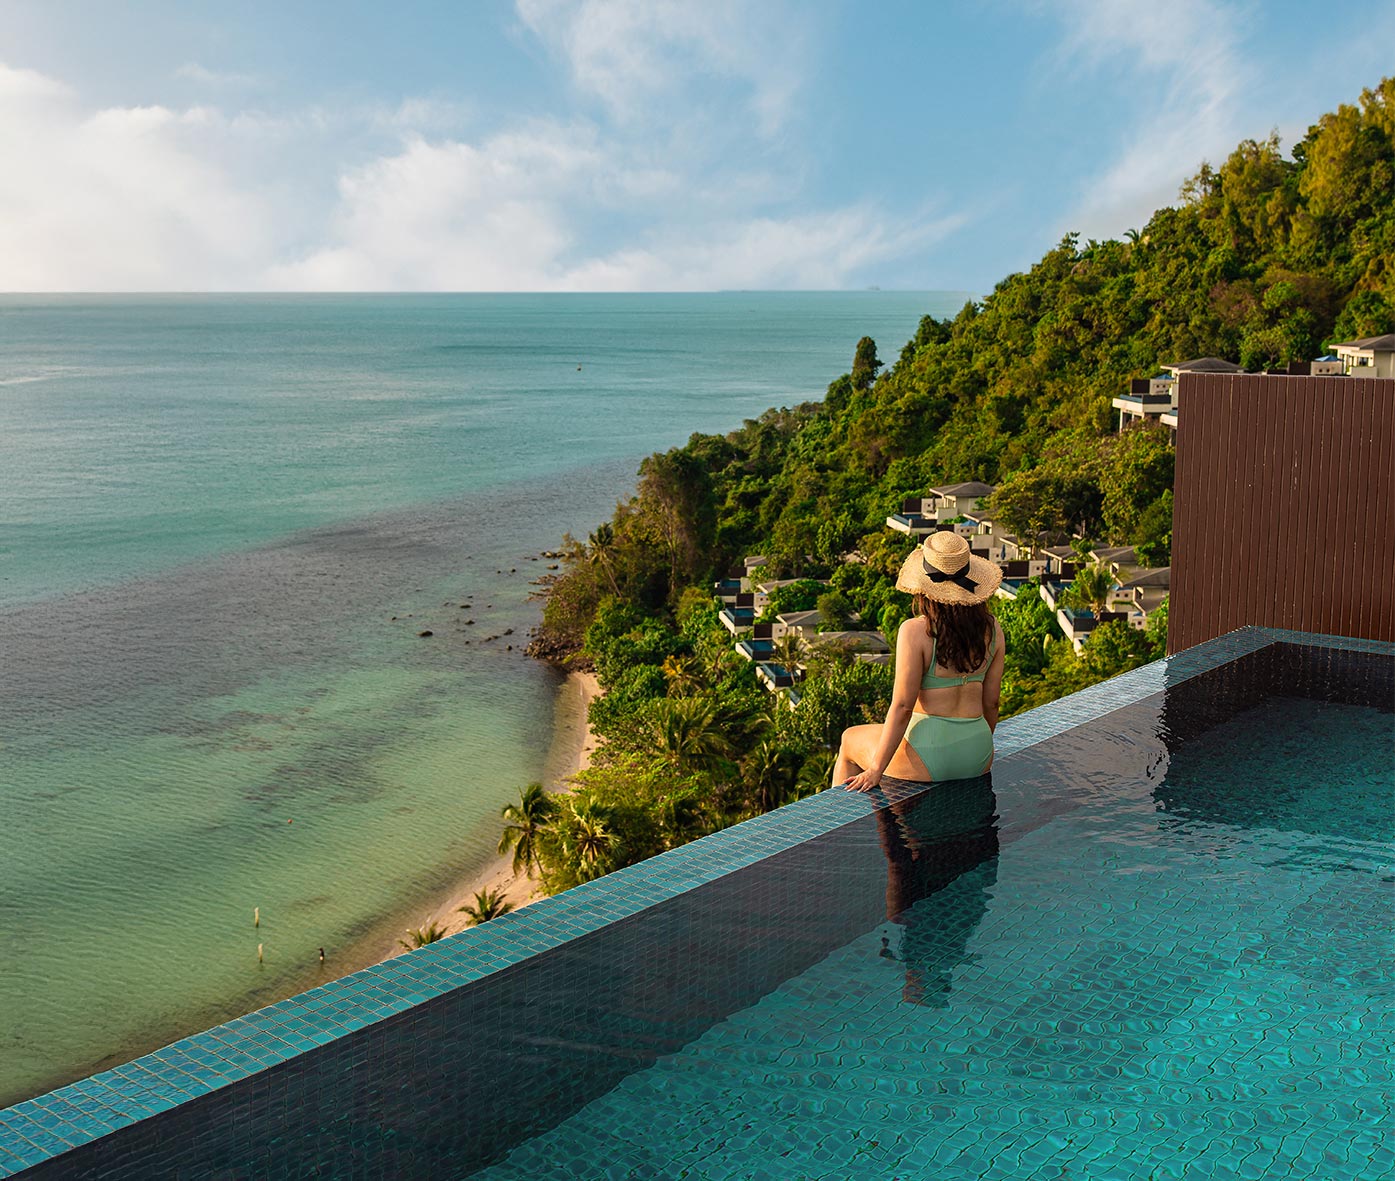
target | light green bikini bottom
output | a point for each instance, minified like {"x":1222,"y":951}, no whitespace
{"x":951,"y":748}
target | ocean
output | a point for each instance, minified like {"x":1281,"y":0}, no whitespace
{"x":223,"y":522}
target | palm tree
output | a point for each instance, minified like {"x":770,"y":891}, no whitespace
{"x":686,"y":735}
{"x":790,"y":650}
{"x":816,"y":773}
{"x":589,"y":838}
{"x":488,"y":904}
{"x":769,"y":770}
{"x":1090,"y":589}
{"x":602,"y":553}
{"x":525,"y":823}
{"x":421,"y":936}
{"x":683,"y":675}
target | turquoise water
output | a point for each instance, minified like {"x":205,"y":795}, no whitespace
{"x":1177,"y":964}
{"x":211,"y":509}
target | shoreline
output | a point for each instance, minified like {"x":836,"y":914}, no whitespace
{"x":570,"y":751}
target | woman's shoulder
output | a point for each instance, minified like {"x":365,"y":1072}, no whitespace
{"x":911,"y":629}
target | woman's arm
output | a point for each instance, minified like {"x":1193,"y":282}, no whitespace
{"x":993,"y":678}
{"x":903,"y":698}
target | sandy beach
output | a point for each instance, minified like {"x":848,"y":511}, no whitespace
{"x":573,"y":743}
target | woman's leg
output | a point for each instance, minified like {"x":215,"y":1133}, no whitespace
{"x":859,"y":748}
{"x":855,"y":752}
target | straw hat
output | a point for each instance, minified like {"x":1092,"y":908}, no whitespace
{"x":944,"y":569}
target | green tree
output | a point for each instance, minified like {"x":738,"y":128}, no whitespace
{"x":683,"y":675}
{"x":1029,"y":626}
{"x":524,"y":823}
{"x":588,"y":837}
{"x":802,"y":595}
{"x":603,"y":552}
{"x":488,"y":904}
{"x":836,"y":609}
{"x":677,"y":502}
{"x":790,"y":652}
{"x":1156,"y":631}
{"x":1115,"y":647}
{"x":770,"y":770}
{"x":686,"y":734}
{"x":421,"y":936}
{"x":865,"y":364}
{"x":1090,"y":589}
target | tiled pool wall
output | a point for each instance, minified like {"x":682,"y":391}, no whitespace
{"x":438,"y":1062}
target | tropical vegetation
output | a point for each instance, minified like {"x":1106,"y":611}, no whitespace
{"x":1265,"y":259}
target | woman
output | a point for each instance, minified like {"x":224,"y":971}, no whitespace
{"x":949,"y":671}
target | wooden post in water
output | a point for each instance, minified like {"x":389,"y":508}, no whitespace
{"x":259,"y":953}
{"x":256,"y":916}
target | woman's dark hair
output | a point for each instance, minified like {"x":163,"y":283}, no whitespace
{"x":960,"y":630}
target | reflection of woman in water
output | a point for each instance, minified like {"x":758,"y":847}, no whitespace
{"x":942,"y":859}
{"x":949,"y":669}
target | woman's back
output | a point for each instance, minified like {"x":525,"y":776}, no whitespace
{"x":958,"y":694}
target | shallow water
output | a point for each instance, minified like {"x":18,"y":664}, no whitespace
{"x":210,"y":509}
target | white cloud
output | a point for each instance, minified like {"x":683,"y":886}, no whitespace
{"x":1185,"y":59}
{"x":678,"y":177}
{"x":643,"y":57}
{"x":121,"y":198}
{"x":501,"y":216}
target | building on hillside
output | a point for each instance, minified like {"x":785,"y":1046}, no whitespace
{"x":922,"y":515}
{"x":1148,"y":397}
{"x":804,"y":624}
{"x":862,"y":645}
{"x":775,"y":676}
{"x":1201,"y":365}
{"x":739,"y":614}
{"x":1079,"y":624}
{"x":959,"y":500}
{"x":1371,"y":356}
{"x":1141,"y":592}
{"x":1114,"y":556}
{"x":734,"y":583}
{"x":1061,"y":562}
{"x":983,"y":537}
{"x":759,"y":644}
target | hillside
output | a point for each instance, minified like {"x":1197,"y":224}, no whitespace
{"x":1265,"y":259}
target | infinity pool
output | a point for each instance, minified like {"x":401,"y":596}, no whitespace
{"x":1146,"y":949}
{"x":1155,"y":944}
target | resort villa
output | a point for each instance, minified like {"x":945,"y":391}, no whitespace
{"x":1154,"y":942}
{"x":1372,"y":356}
{"x":922,"y":515}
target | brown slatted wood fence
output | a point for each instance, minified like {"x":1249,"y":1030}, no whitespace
{"x":1284,"y":512}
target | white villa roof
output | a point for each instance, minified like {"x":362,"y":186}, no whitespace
{"x":970,"y":488}
{"x":800,"y":618}
{"x":1205,"y":365}
{"x":1368,"y":344}
{"x":1117,"y":553}
{"x":1159,"y":576}
{"x":854,"y":641}
{"x":776,"y":583}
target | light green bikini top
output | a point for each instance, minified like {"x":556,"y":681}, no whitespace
{"x":931,"y":681}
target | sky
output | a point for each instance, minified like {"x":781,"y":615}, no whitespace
{"x":627,"y":145}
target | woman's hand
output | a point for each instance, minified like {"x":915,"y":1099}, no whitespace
{"x":864,"y":781}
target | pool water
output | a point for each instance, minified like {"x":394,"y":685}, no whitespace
{"x":1158,"y":946}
